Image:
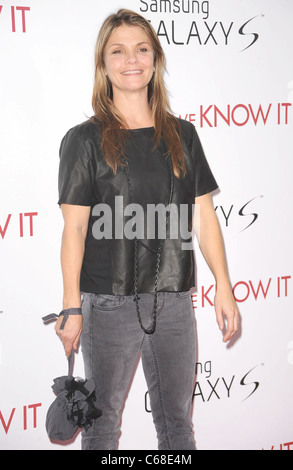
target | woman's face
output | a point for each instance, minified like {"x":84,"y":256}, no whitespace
{"x":129,"y":60}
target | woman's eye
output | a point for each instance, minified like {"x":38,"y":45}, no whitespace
{"x":118,"y":51}
{"x":143,"y":49}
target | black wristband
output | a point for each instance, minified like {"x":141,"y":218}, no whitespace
{"x":65,"y":313}
{"x":71,"y":311}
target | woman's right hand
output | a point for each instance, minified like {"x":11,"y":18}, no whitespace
{"x":72,"y":251}
{"x":71,"y":332}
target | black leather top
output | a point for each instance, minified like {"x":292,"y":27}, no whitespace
{"x":85,"y":179}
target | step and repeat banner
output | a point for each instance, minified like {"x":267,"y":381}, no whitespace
{"x":229,"y":72}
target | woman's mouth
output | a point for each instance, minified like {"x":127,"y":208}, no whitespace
{"x":132,"y":72}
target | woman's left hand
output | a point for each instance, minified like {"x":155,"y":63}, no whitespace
{"x":226,"y":310}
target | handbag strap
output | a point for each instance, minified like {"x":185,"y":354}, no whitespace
{"x":65,"y":313}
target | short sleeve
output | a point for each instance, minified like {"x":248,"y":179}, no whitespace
{"x":204,"y":178}
{"x":75,"y":180}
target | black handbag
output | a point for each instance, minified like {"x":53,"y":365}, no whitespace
{"x":74,"y":407}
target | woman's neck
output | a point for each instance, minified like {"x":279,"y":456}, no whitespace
{"x":135,"y":110}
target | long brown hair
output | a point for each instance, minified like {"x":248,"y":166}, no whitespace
{"x":111,"y":121}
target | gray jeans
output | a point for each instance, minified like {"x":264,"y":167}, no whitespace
{"x":111,"y":343}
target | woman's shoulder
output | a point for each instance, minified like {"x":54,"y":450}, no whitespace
{"x":81,"y":140}
{"x":188,"y":131}
{"x":85,"y":130}
{"x":186,"y":126}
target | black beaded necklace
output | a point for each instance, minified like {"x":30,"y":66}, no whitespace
{"x":150,"y":330}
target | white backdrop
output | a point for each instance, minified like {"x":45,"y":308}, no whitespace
{"x":230,"y":72}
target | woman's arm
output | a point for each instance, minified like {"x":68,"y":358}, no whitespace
{"x":72,"y":252}
{"x":211,"y":245}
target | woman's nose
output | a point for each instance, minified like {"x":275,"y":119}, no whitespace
{"x":131,"y":57}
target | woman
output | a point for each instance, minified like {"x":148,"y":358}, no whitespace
{"x":136,"y":287}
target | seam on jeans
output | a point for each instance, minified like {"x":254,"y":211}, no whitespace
{"x":91,"y":321}
{"x":91,"y":336}
{"x":160,"y":392}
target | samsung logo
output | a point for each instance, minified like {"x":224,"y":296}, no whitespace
{"x":176,"y":6}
